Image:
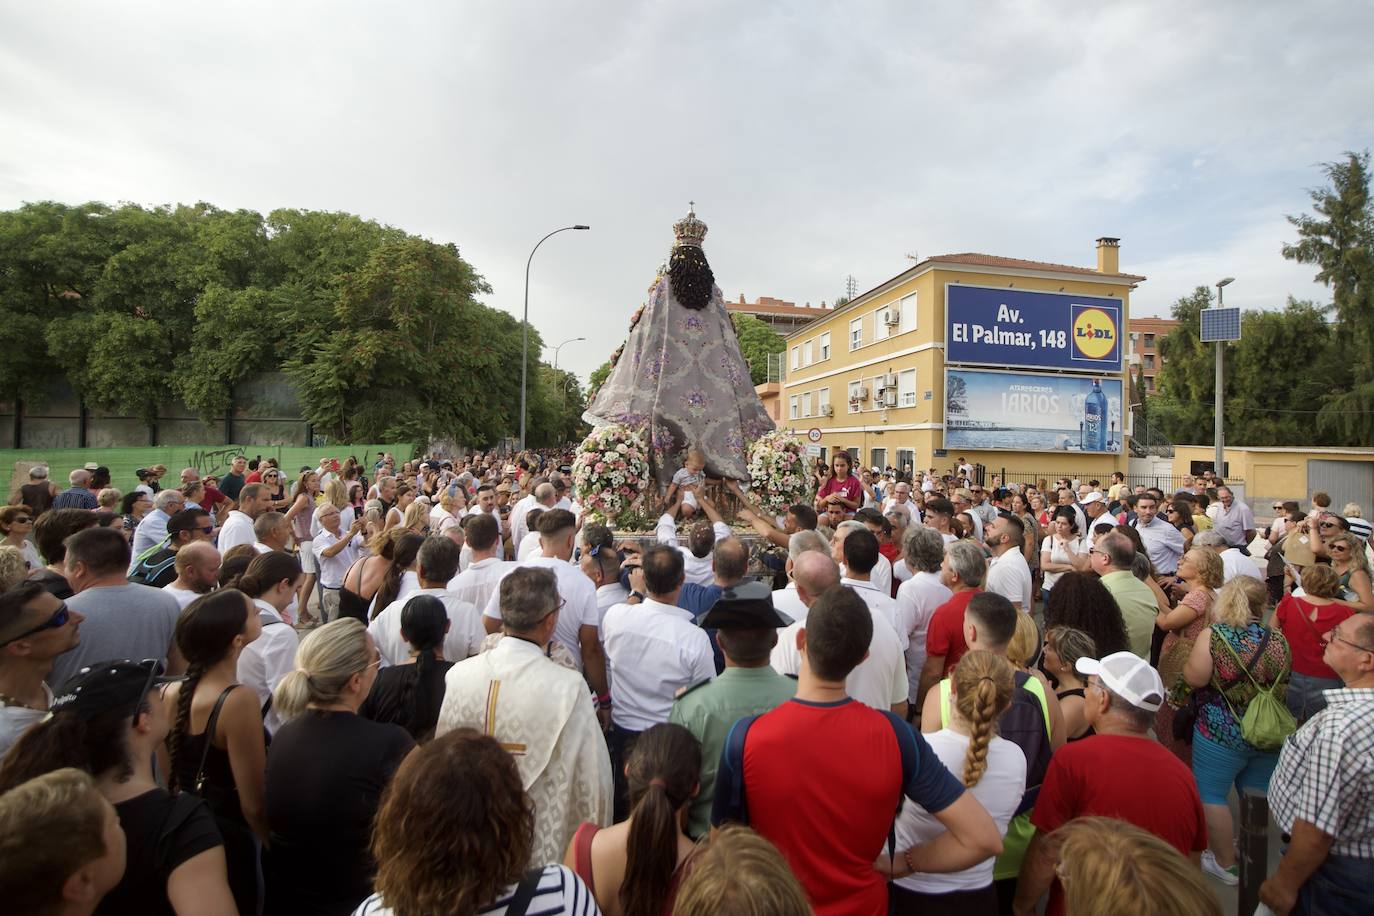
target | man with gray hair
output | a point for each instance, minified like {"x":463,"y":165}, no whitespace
{"x":152,"y":531}
{"x":1122,"y":772}
{"x":961,"y":571}
{"x":1233,"y":561}
{"x":919,"y":597}
{"x":77,"y":496}
{"x":271,"y":531}
{"x":788,"y":600}
{"x":540,"y":711}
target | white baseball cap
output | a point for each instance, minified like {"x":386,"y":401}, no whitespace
{"x":1093,"y":497}
{"x":1128,"y":676}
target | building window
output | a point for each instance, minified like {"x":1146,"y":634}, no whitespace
{"x":906,"y":459}
{"x":808,"y":352}
{"x":854,"y":405}
{"x":906,"y":388}
{"x":822,"y":401}
{"x":908,"y":307}
{"x":825,"y":345}
{"x":1149,"y":341}
{"x":1149,"y":361}
{"x":879,"y":456}
{"x":792,"y":405}
{"x":806,"y":403}
{"x":856,"y":333}
{"x":1149,"y":384}
{"x":796,"y":358}
{"x":880,"y":319}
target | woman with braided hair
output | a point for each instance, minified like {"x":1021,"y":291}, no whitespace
{"x":635,"y":867}
{"x":217,"y":744}
{"x":993,"y":768}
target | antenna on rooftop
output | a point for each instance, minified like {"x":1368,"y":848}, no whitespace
{"x":913,"y":257}
{"x":851,"y":286}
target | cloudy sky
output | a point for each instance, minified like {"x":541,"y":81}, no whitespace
{"x":818,"y":139}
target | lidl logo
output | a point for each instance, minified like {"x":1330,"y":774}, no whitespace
{"x":1094,"y":332}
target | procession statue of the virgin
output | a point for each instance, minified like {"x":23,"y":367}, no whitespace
{"x":680,"y":376}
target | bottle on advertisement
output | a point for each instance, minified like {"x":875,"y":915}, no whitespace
{"x":1095,"y":419}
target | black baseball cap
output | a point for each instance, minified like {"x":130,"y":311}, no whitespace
{"x":110,"y":685}
{"x":747,"y":606}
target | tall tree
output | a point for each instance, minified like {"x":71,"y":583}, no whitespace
{"x":757,"y":341}
{"x":1182,"y":410}
{"x":1339,"y":240}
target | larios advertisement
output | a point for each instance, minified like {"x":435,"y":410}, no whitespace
{"x":1021,"y":329}
{"x":1038,"y":413}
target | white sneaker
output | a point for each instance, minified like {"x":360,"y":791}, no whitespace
{"x":1228,"y":876}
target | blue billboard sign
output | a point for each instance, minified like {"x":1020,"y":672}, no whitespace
{"x":1029,"y":412}
{"x":1017,"y":328}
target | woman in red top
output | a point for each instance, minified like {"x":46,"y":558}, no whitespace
{"x":1304,"y":622}
{"x":635,"y":867}
{"x":842,"y":487}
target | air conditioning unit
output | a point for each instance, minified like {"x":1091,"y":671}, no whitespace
{"x":827,"y":411}
{"x":860,"y":394}
{"x":892,"y":319}
{"x":890,"y":381}
{"x":890,"y":397}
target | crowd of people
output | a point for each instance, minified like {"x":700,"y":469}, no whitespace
{"x":438,"y":686}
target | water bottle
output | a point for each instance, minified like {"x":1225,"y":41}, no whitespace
{"x":1095,"y":419}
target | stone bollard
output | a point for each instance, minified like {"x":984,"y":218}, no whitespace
{"x":1253,"y":857}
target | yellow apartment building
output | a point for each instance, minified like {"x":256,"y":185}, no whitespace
{"x":1009,"y":363}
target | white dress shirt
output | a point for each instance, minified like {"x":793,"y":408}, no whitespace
{"x":1009,"y":576}
{"x":879,"y":680}
{"x":917,"y":599}
{"x":608,"y":596}
{"x":1234,"y":563}
{"x":653,"y":650}
{"x":694,"y":569}
{"x":878,"y":602}
{"x":480,"y":581}
{"x":269,"y":658}
{"x":788,"y":601}
{"x":912,"y":513}
{"x":529,"y":547}
{"x":463,"y":640}
{"x":465,"y":557}
{"x":237,"y":529}
{"x":518,"y":513}
{"x":332,"y":569}
{"x":1163,"y":544}
{"x":579,"y":603}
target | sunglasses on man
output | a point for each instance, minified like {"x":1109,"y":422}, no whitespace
{"x":58,"y":619}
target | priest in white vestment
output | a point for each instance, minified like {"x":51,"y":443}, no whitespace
{"x":541,"y":712}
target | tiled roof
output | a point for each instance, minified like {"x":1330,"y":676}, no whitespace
{"x":788,"y":311}
{"x":976,"y":259}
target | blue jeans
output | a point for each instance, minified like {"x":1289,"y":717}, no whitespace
{"x":1304,"y":697}
{"x":1340,"y":887}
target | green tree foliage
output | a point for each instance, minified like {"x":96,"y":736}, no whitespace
{"x":599,"y":376}
{"x":757,"y":341}
{"x":381,"y":332}
{"x":1187,"y":380}
{"x":1339,"y":240}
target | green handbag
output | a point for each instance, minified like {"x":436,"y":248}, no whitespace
{"x":1267,"y":721}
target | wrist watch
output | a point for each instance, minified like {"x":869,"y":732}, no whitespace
{"x":638,"y":596}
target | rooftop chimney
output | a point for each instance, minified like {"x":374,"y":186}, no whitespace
{"x":1108,"y":255}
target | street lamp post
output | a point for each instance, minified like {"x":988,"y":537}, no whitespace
{"x":1218,"y":434}
{"x":555,"y":361}
{"x":525,"y":329}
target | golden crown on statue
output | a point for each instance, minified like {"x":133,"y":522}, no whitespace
{"x":689,"y":230}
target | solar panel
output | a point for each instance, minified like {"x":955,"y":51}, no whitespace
{"x":1220,"y":324}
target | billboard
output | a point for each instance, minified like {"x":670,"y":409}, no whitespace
{"x":1032,"y":413}
{"x":1020,"y":328}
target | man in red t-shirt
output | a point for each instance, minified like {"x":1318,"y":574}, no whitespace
{"x":828,"y":805}
{"x":962,"y":572}
{"x":1119,"y":772}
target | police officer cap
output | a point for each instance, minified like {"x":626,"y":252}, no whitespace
{"x":747,"y":606}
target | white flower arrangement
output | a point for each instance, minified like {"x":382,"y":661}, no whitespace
{"x":778,"y":471}
{"x":611,"y":471}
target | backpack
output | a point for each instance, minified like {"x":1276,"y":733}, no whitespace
{"x":1267,"y":721}
{"x":149,"y":570}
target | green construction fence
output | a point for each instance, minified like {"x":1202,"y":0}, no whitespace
{"x":208,"y":459}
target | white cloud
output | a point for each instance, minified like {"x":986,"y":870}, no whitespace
{"x":818,"y":139}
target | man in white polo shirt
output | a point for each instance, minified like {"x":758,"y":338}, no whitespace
{"x":438,"y":563}
{"x":1008,"y":573}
